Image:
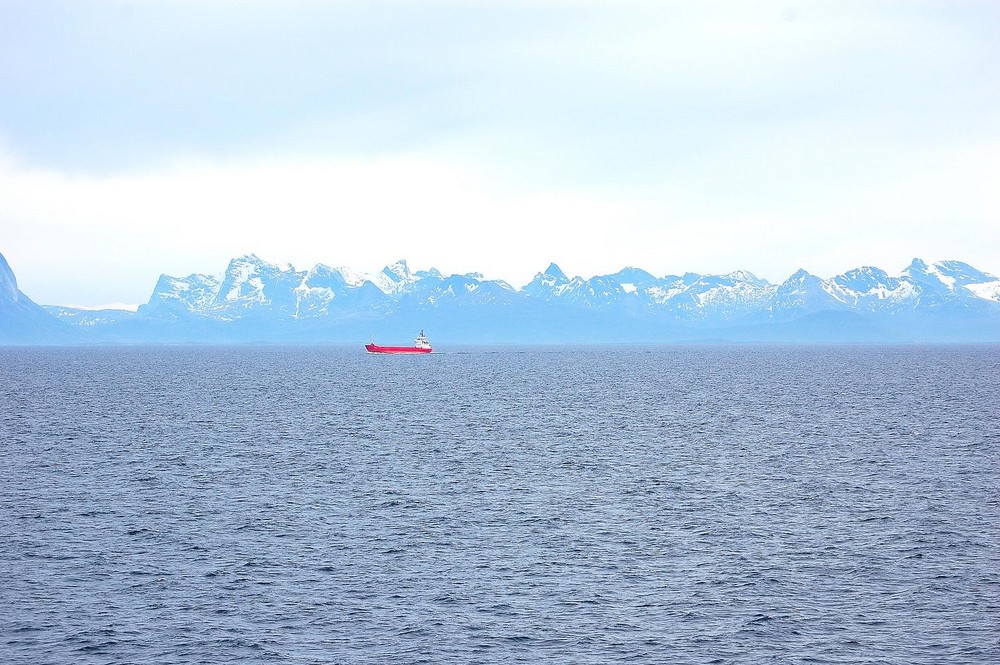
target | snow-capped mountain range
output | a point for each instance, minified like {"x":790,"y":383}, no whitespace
{"x":251,"y":286}
{"x":255,"y":300}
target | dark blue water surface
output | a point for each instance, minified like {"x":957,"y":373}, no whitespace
{"x":679,"y":504}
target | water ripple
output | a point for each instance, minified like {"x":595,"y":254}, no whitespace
{"x":695,"y":504}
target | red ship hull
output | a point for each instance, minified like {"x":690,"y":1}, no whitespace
{"x":375,"y":348}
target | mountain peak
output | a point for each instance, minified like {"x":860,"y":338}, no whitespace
{"x":394,"y":277}
{"x":244,"y":279}
{"x":248,"y":258}
{"x":258,"y":300}
{"x":633,"y":275}
{"x":744,"y":276}
{"x":555,"y":271}
{"x":398,"y":270}
{"x":961,"y":272}
{"x":432,"y":273}
{"x":545,"y":283}
{"x":929,"y":276}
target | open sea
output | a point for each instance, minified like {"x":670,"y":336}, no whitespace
{"x":674,"y":504}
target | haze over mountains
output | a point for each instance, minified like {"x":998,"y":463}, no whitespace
{"x":258,"y":301}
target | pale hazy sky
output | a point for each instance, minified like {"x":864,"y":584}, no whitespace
{"x":495,"y":136}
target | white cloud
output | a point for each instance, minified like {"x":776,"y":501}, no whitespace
{"x":93,"y":239}
{"x":119,"y":232}
{"x":495,"y":137}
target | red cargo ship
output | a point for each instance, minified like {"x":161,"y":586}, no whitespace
{"x":420,"y":345}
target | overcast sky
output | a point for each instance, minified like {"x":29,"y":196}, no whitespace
{"x":144,"y":137}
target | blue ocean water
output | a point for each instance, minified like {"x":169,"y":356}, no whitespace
{"x":614,"y":504}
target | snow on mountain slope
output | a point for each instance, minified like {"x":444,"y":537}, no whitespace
{"x":870,"y":289}
{"x":956,"y":273}
{"x":255,"y":299}
{"x":986,"y":291}
{"x":633,"y":280}
{"x":350,"y":276}
{"x":661,"y":294}
{"x":744,"y":277}
{"x":321,"y":287}
{"x":253,"y":287}
{"x":394,"y":278}
{"x":723,"y":297}
{"x":88,"y":317}
{"x":245,"y":281}
{"x":963,"y":276}
{"x":805,"y":292}
{"x":547,"y":284}
{"x":193,"y":293}
{"x":948,"y":285}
